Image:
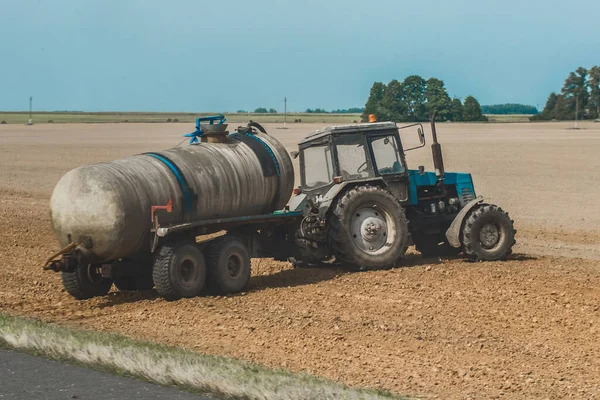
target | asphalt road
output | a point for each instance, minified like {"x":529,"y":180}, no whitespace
{"x":27,"y":377}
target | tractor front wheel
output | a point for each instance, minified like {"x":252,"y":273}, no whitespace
{"x":488,"y":234}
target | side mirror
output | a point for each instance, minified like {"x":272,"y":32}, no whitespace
{"x":294,"y":154}
{"x":421,"y":136}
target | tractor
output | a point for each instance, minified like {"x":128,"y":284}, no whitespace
{"x":363,"y":206}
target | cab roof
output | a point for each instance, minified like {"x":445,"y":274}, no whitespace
{"x":343,"y":129}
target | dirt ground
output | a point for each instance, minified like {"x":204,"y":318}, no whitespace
{"x":524,"y":328}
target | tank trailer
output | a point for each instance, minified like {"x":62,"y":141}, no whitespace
{"x":189,"y":219}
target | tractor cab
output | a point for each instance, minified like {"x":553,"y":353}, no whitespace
{"x":351,"y":154}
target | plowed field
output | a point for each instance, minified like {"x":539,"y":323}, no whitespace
{"x":525,"y":328}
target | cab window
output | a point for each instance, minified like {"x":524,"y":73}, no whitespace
{"x":318,"y":167}
{"x":387,"y":159}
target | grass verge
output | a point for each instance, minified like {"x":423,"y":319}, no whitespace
{"x":170,"y":366}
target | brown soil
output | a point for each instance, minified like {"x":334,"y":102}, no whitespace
{"x":524,"y":328}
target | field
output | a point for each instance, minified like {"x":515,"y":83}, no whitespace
{"x":152,"y":117}
{"x":524,"y":328}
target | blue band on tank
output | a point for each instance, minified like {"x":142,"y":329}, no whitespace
{"x":180,"y":179}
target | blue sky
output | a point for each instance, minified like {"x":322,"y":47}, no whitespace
{"x":184,"y":55}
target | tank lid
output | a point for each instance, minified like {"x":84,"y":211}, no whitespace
{"x":214,"y":133}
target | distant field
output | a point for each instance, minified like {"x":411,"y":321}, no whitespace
{"x":508,"y":117}
{"x":143,"y":117}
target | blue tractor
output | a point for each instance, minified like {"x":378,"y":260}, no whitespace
{"x":362,"y":206}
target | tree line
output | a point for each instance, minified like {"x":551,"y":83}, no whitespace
{"x":352,"y":110}
{"x":415,"y":99}
{"x":509,"y":108}
{"x":579,"y":97}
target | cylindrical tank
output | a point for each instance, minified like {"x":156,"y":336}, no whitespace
{"x":107,"y":206}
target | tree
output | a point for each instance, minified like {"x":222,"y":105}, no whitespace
{"x":415,"y":99}
{"x":575,"y":93}
{"x":272,"y":111}
{"x":472,"y":110}
{"x":456,"y":110}
{"x":549,"y":110}
{"x":437,"y":99}
{"x":509,"y":108}
{"x":261,"y":110}
{"x":392,"y":105}
{"x":374,"y":102}
{"x":413,"y":93}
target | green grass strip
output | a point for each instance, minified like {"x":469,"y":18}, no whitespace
{"x":170,"y":366}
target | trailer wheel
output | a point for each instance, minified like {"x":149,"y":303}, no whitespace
{"x":488,"y":234}
{"x":86,"y":282}
{"x":368,"y":229}
{"x":228,"y":265}
{"x":434,"y":246}
{"x":179,"y":270}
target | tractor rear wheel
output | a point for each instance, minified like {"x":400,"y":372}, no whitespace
{"x":86,"y":282}
{"x":488,"y":234}
{"x":368,"y":229}
{"x":434,"y":245}
{"x":179,"y":270}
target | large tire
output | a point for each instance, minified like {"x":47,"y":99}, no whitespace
{"x":85,"y":282}
{"x":228,"y":266}
{"x":367,"y":229}
{"x":179,"y":270}
{"x":433,"y":246}
{"x":488,"y":234}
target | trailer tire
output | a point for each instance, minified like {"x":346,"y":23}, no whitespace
{"x":368,"y":229}
{"x":179,"y":270}
{"x":85,"y":282}
{"x":488,"y":234}
{"x":228,"y":266}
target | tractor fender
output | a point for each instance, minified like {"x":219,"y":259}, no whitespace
{"x":453,"y":233}
{"x":324,"y":202}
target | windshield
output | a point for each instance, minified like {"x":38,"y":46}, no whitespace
{"x":352,"y":156}
{"x":318,"y":167}
{"x":386,"y":155}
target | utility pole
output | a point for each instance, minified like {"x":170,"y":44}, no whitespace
{"x":284,"y":111}
{"x":30,"y":108}
{"x":576,"y":110}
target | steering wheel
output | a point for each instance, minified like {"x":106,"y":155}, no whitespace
{"x":361,"y":168}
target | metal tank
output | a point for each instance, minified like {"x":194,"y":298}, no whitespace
{"x":107,"y":207}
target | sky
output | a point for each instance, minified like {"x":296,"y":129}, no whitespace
{"x":194,"y":55}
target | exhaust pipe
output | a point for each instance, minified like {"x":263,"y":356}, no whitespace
{"x":436,"y":151}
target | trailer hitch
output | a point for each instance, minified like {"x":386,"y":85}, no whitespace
{"x":52,"y":264}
